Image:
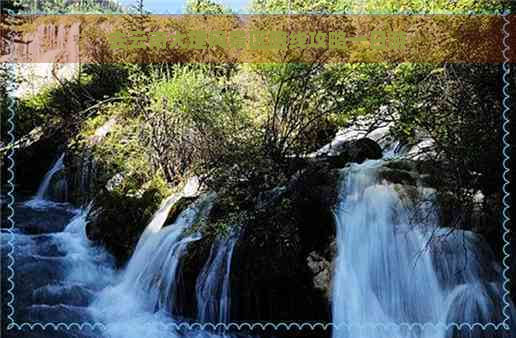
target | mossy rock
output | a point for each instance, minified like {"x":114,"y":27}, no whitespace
{"x":177,"y":208}
{"x":409,"y":172}
{"x":118,"y":220}
{"x":32,"y":162}
{"x":353,"y":151}
{"x":398,"y":176}
{"x":273,"y":279}
{"x":402,"y":164}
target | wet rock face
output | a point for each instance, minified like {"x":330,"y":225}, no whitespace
{"x":32,"y":161}
{"x":118,"y":221}
{"x":282,"y":263}
{"x":192,"y":262}
{"x":322,"y":269}
{"x":338,"y":154}
{"x":362,"y":149}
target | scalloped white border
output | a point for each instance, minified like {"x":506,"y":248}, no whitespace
{"x":292,"y":325}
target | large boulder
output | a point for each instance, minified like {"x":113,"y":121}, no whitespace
{"x":277,"y":277}
{"x":118,"y":220}
{"x":361,"y":150}
{"x":341,"y":153}
{"x":322,"y":266}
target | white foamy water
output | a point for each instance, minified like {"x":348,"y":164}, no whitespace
{"x":213,"y":286}
{"x":42,"y":199}
{"x":148,"y":286}
{"x":393,"y":269}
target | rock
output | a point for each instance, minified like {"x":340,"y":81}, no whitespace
{"x":339,"y":154}
{"x":398,"y":176}
{"x":55,"y":313}
{"x":76,"y":295}
{"x":114,"y":182}
{"x":409,"y":172}
{"x":103,"y":131}
{"x":363,"y":149}
{"x":282,"y":269}
{"x":183,"y":203}
{"x":192,"y":262}
{"x":118,"y":220}
{"x":25,"y":220}
{"x":402,"y":164}
{"x":322,"y":271}
{"x":33,"y":158}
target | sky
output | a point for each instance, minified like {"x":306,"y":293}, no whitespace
{"x":177,"y":6}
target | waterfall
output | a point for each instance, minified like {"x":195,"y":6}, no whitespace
{"x":149,"y":284}
{"x":396,"y":265}
{"x":154,"y":265}
{"x":43,"y":193}
{"x":213,"y":288}
{"x":158,"y":219}
{"x":45,"y":184}
{"x":92,"y":265}
{"x":58,"y":270}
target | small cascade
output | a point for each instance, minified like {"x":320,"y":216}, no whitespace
{"x":191,"y":189}
{"x":148,"y":285}
{"x":92,"y":265}
{"x":45,"y":184}
{"x":213,"y":286}
{"x":58,"y":272}
{"x":395,"y":264}
{"x":158,"y":219}
{"x":45,"y":191}
{"x":154,"y":265}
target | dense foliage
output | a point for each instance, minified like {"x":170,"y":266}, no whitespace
{"x":244,"y":128}
{"x":63,"y":6}
{"x":380,"y":6}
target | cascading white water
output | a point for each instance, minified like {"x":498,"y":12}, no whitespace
{"x":158,"y":219}
{"x":148,"y":285}
{"x":392,"y":268}
{"x":56,"y":167}
{"x":154,"y":265}
{"x":41,"y":198}
{"x":68,"y":278}
{"x":213,"y":286}
{"x":58,"y":270}
{"x":92,"y":265}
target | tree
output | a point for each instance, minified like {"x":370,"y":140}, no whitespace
{"x":205,"y":7}
{"x":189,"y":120}
{"x":299,"y":6}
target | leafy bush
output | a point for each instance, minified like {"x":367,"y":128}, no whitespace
{"x":188,"y":120}
{"x":380,"y":6}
